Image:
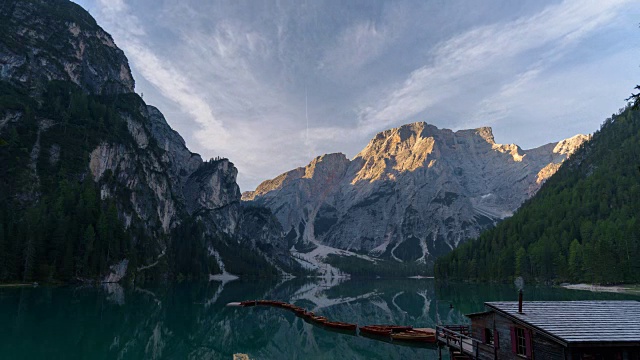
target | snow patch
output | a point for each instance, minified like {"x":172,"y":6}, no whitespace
{"x":115,"y":293}
{"x":598,"y":288}
{"x":154,"y":263}
{"x":314,"y":260}
{"x":224,"y":276}
{"x":117,"y":272}
{"x":380,"y":249}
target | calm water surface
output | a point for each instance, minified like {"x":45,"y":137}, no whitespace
{"x":190,"y":321}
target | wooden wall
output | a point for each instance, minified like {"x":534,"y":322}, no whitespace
{"x":478,"y":324}
{"x":543,"y":347}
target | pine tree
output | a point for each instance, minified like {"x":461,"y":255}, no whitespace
{"x":575,"y":260}
{"x":89,"y":239}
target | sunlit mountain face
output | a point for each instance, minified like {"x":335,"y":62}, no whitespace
{"x":412,"y":194}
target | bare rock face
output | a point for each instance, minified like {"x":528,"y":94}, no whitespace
{"x":212,"y":189}
{"x":182,"y":161}
{"x":412,"y":193}
{"x":67,"y":44}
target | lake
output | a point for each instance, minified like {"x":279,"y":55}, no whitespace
{"x":191,"y":321}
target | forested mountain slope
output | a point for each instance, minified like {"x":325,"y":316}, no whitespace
{"x":583,"y":224}
{"x":94,"y":183}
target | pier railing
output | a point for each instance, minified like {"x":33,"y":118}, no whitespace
{"x":458,"y":337}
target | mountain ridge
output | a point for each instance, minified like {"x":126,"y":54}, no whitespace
{"x":376,"y":202}
{"x":580,"y":227}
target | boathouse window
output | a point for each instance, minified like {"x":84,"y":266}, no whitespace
{"x":488,"y":336}
{"x":521,"y":342}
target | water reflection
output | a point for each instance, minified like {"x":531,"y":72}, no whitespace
{"x":191,"y":320}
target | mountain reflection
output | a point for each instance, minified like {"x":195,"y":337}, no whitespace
{"x":190,"y":320}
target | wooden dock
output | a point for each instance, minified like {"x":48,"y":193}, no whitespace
{"x":457,"y":339}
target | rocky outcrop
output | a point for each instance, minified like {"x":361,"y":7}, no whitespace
{"x":66,"y":44}
{"x":182,"y":162}
{"x":212,"y":191}
{"x":412,"y":193}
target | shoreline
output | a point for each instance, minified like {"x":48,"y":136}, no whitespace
{"x":620,"y":289}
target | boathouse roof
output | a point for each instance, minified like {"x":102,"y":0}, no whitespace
{"x":577,"y":323}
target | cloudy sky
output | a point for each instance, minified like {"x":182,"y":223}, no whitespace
{"x":272,"y":84}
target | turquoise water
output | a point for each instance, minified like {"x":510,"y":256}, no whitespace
{"x":190,"y":321}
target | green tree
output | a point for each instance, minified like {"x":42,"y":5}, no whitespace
{"x":89,"y":244}
{"x":521,"y":261}
{"x":575,"y":261}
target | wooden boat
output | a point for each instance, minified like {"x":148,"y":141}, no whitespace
{"x":375,"y":330}
{"x":426,"y":330}
{"x":314,"y":319}
{"x":318,"y":319}
{"x":290,"y":307}
{"x":248,"y":303}
{"x":265,"y":302}
{"x":393,"y":328}
{"x":300,"y":312}
{"x":340,"y":325}
{"x":307,"y":314}
{"x":421,"y":335}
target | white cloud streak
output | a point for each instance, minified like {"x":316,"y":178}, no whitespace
{"x":165,"y":77}
{"x":356,"y":46}
{"x":486,"y":49}
{"x":238,"y":72}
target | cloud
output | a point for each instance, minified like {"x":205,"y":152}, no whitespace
{"x":356,"y":46}
{"x":272,"y":85}
{"x":159,"y":72}
{"x":215,"y":70}
{"x":485,"y":49}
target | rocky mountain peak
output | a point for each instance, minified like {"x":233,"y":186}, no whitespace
{"x":321,"y":171}
{"x":48,"y":40}
{"x":414,"y":192}
{"x":486,"y":133}
{"x":570,"y":145}
{"x":324,"y":164}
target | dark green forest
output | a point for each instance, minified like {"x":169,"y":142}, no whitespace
{"x":54,"y":226}
{"x":582,"y":226}
{"x":357,"y":267}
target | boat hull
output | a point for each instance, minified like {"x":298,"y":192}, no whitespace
{"x":341,"y":325}
{"x":377,"y":331}
{"x":423,"y":335}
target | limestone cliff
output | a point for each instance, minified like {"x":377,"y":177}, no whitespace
{"x":58,"y":40}
{"x":412,"y":193}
